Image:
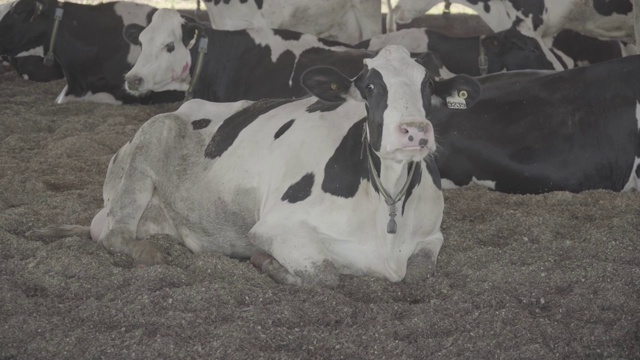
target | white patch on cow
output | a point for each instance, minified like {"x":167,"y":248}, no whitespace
{"x":448,"y":184}
{"x":634,"y":180}
{"x":277,"y":45}
{"x":102,"y":97}
{"x":564,"y":57}
{"x":486,"y":183}
{"x":25,"y":76}
{"x":4,"y":8}
{"x":132,"y":13}
{"x":36,"y":51}
{"x":347,"y":21}
{"x":415,"y":40}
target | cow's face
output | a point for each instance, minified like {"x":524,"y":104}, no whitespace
{"x":165,"y":60}
{"x":24,"y":25}
{"x":399,"y":96}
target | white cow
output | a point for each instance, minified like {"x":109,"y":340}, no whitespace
{"x":308,"y":189}
{"x":348,"y":21}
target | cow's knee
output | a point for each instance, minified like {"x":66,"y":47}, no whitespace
{"x":122,"y":241}
{"x":422,"y":264}
{"x":323,"y":274}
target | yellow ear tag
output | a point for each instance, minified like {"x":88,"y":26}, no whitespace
{"x":463,"y":94}
{"x":334,"y":86}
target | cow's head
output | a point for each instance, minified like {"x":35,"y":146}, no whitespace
{"x":24,"y":25}
{"x":165,"y":60}
{"x":518,"y":48}
{"x":399,"y":95}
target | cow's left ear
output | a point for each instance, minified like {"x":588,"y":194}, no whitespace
{"x":459,"y":92}
{"x":131,"y":33}
{"x":326,"y":83}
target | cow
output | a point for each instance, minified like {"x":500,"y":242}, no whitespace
{"x":29,"y":64}
{"x":345,"y":21}
{"x":342,"y":182}
{"x":573,"y":130}
{"x":516,"y":48}
{"x":88,"y":45}
{"x":598,"y":18}
{"x":248,"y":64}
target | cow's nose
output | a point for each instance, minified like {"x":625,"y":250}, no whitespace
{"x":133,"y":82}
{"x":415,"y":133}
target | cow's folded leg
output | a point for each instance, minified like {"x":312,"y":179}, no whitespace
{"x":422,"y":264}
{"x":297,"y":250}
{"x":270,"y":266}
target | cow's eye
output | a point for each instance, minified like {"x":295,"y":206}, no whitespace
{"x":370,"y":87}
{"x":170,"y":47}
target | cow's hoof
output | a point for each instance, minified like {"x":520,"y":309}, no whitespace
{"x":145,"y":253}
{"x":270,"y":266}
{"x":420,"y":266}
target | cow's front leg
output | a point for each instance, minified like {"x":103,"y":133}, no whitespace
{"x":293,"y":255}
{"x":422,"y":263}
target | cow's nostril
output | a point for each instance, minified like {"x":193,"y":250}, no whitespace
{"x":423,"y":142}
{"x":410,"y":138}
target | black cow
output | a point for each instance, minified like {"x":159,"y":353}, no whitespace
{"x":88,"y":45}
{"x":571,"y":130}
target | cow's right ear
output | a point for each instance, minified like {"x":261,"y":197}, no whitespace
{"x":326,"y":83}
{"x":191,"y":29}
{"x":131,"y":33}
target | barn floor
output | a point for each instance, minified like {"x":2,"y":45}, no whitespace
{"x":519,"y":277}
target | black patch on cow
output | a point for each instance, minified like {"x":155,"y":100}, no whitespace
{"x":234,"y":124}
{"x":150,"y":15}
{"x":609,"y":7}
{"x":346,"y":168}
{"x":376,"y":95}
{"x":323,"y":106}
{"x":283,"y":129}
{"x":200,"y":124}
{"x":432,"y":168}
{"x":533,"y":8}
{"x":259,"y":4}
{"x":287,"y":34}
{"x":300,"y":190}
{"x":415,"y":181}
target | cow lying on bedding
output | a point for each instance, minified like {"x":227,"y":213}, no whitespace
{"x":339,"y":183}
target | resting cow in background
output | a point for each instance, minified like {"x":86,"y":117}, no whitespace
{"x":599,"y":21}
{"x":88,"y":45}
{"x":249,"y":64}
{"x":514,"y":49}
{"x":29,"y":62}
{"x":340,"y":183}
{"x":347,"y":21}
{"x":573,"y":130}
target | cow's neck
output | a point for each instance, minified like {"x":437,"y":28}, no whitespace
{"x":392,"y":182}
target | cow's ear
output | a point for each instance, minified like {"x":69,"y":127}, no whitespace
{"x":326,"y":83}
{"x":131,"y":33}
{"x":190,"y":30}
{"x":492,"y":43}
{"x":459,"y":92}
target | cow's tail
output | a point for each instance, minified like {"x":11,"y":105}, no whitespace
{"x":62,"y":231}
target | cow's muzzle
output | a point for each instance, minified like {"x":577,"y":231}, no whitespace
{"x":415,"y":134}
{"x":133,"y":83}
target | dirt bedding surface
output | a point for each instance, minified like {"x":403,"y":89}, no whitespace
{"x":519,"y":277}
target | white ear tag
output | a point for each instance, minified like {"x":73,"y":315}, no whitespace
{"x":456,"y":100}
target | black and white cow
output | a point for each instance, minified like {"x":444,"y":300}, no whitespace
{"x":516,"y":48}
{"x":29,"y":63}
{"x":88,"y":45}
{"x":247,"y":180}
{"x":249,"y":64}
{"x":346,"y":21}
{"x":572,"y":130}
{"x":604,"y":19}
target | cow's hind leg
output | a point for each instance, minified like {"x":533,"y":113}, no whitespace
{"x":297,"y":255}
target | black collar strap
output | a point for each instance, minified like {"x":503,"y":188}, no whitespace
{"x":203,"y":44}
{"x":48,"y":60}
